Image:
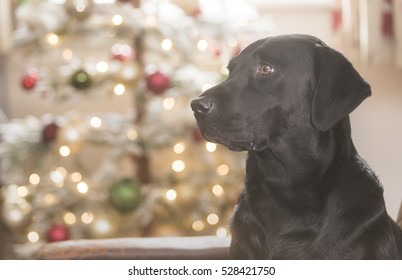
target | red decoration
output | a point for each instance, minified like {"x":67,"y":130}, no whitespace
{"x":57,"y":233}
{"x":387,"y":18}
{"x":29,"y":81}
{"x":336,"y":19}
{"x":158,"y":82}
{"x":215,"y":48}
{"x":196,"y":13}
{"x":122,"y":52}
{"x":120,"y":57}
{"x":197,"y":136}
{"x":49,"y":133}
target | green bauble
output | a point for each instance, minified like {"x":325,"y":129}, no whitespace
{"x":81,"y":80}
{"x":124,"y":196}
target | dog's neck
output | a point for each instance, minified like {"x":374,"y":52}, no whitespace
{"x":286,"y":165}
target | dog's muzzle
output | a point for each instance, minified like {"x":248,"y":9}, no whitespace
{"x":203,"y":109}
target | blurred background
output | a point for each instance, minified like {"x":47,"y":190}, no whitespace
{"x":97,"y":137}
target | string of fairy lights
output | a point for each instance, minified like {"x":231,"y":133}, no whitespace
{"x":60,"y":178}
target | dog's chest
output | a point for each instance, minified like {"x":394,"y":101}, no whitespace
{"x":288,"y":229}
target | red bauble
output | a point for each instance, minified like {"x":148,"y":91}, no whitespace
{"x":57,"y":233}
{"x":120,"y":57}
{"x":196,"y":13}
{"x":29,"y":81}
{"x":49,"y":133}
{"x":197,"y":136}
{"x":158,"y":82}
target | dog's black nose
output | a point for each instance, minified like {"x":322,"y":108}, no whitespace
{"x":201,"y":105}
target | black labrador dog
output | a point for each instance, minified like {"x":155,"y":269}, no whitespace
{"x":308,"y":194}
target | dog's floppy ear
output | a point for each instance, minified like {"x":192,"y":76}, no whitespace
{"x":339,"y":90}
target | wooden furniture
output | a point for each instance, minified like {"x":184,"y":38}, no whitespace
{"x":148,"y":248}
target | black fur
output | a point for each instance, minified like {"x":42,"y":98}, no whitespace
{"x":308,"y":194}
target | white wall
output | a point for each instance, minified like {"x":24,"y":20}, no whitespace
{"x":377,"y":130}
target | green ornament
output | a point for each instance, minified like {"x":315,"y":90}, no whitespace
{"x":124,"y":196}
{"x":81,"y":80}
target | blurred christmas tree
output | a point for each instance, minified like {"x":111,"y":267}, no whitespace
{"x":144,"y":172}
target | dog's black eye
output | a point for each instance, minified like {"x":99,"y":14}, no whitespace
{"x":266,"y":70}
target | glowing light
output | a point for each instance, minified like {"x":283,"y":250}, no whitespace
{"x":76,"y":177}
{"x":62,"y":170}
{"x":221,"y":232}
{"x":178,"y":165}
{"x":171,"y":195}
{"x":34,"y":179}
{"x":179,"y":148}
{"x":49,"y":199}
{"x":71,"y":134}
{"x":82,"y":187}
{"x":166,"y":44}
{"x":67,"y":54}
{"x":211,"y":147}
{"x":52,"y":38}
{"x":168,"y":103}
{"x":119,"y":89}
{"x":132,"y":134}
{"x":102,"y":226}
{"x":198,"y":225}
{"x":117,"y":20}
{"x":69,"y":218}
{"x":212,"y":219}
{"x":217,"y":190}
{"x":64,"y":151}
{"x":222,"y":170}
{"x":33,"y":236}
{"x":22,"y":191}
{"x":95,"y":122}
{"x":57,"y":177}
{"x":81,"y":7}
{"x":102,"y":66}
{"x":202,"y":45}
{"x":87,"y":218}
{"x":15,"y":215}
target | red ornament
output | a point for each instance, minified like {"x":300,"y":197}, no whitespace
{"x":57,"y":233}
{"x":29,"y":82}
{"x":122,"y":52}
{"x":197,"y":136}
{"x":387,"y":29}
{"x":49,"y":133}
{"x":158,"y":82}
{"x":336,"y":19}
{"x":196,"y":13}
{"x":120,"y":57}
{"x":215,"y":48}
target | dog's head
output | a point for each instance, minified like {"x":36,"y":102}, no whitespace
{"x":278,"y":85}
